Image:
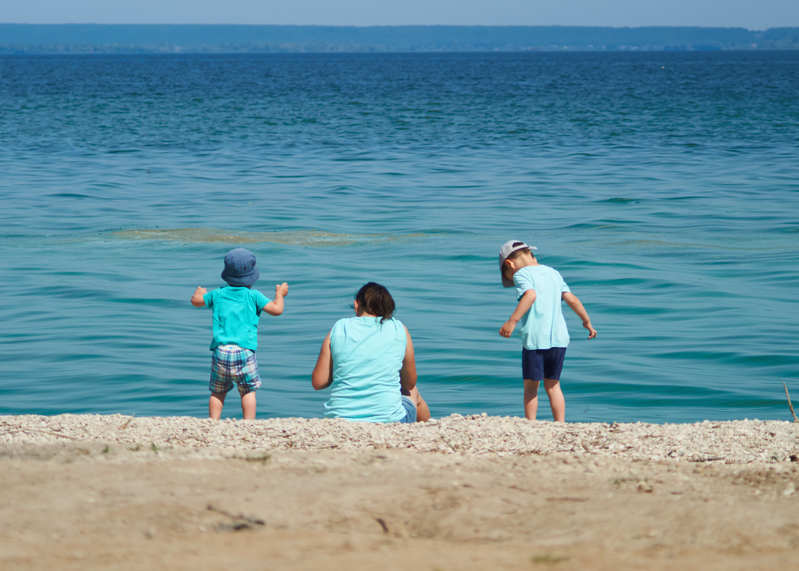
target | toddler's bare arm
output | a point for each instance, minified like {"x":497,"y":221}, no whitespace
{"x":524,"y":305}
{"x":574,"y":302}
{"x":276,"y":306}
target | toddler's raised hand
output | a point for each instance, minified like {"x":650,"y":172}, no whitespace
{"x":282,"y":289}
{"x":197,"y":296}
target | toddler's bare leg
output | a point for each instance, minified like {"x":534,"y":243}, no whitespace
{"x":248,"y":406}
{"x":530,"y":399}
{"x":556,"y":401}
{"x":215,"y":404}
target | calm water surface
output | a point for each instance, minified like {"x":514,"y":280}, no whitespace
{"x":663,"y":186}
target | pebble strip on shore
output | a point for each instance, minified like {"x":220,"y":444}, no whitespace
{"x":730,"y":442}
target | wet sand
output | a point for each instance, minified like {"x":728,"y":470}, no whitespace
{"x":92,"y":492}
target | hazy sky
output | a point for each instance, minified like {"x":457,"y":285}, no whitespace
{"x":743,"y":13}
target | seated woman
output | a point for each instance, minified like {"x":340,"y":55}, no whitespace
{"x":368,"y":362}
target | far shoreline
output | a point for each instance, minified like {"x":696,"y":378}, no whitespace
{"x":253,"y":38}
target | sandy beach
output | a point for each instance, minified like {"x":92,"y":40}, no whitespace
{"x":98,"y":492}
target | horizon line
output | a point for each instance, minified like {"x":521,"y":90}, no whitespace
{"x":611,"y":27}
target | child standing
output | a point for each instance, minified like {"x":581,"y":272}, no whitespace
{"x":539,"y":291}
{"x":236,"y":310}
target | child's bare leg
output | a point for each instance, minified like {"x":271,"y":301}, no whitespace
{"x":556,"y":401}
{"x":422,"y":410}
{"x":215,"y":404}
{"x":248,"y":405}
{"x":530,"y":399}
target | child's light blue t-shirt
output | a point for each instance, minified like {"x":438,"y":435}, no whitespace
{"x":367,"y":356}
{"x":543,"y":327}
{"x":236,"y":312}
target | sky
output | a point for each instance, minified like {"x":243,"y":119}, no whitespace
{"x":750,"y":14}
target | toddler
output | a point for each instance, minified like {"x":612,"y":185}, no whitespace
{"x":236,"y":309}
{"x":539,"y":291}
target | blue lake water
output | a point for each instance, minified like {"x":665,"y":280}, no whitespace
{"x":663,"y":186}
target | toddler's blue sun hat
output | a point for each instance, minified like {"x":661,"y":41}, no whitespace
{"x":240,"y":270}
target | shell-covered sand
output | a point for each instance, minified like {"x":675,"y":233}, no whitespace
{"x":475,"y":492}
{"x":733,"y":442}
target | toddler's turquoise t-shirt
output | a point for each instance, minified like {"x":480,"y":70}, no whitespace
{"x":543,"y":327}
{"x":236,"y":311}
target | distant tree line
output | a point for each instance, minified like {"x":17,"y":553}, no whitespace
{"x":103,"y":38}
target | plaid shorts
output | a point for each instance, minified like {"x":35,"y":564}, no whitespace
{"x":231,"y":363}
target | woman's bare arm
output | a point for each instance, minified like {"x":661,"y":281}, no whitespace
{"x":408,"y":370}
{"x":322,"y":374}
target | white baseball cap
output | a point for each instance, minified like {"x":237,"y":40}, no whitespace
{"x":506,"y":250}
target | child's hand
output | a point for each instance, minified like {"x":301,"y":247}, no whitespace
{"x":591,"y":330}
{"x":507,"y":328}
{"x":197,"y":297}
{"x":276,"y":306}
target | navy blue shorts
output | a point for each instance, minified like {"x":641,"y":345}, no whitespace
{"x":538,"y":364}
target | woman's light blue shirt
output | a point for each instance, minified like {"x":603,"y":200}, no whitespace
{"x":367,"y":357}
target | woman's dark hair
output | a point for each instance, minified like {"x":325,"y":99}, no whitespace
{"x":374,"y":299}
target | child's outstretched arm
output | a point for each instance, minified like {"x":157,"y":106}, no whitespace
{"x":574,"y":302}
{"x":524,"y":305}
{"x":275,"y":307}
{"x":197,"y":296}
